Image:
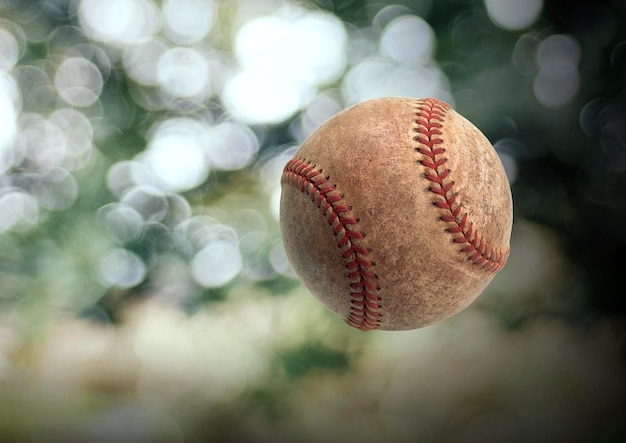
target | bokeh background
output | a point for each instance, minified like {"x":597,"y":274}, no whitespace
{"x":144,"y":292}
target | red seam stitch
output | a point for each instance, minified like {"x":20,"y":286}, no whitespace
{"x":365,"y":305}
{"x":430,"y":114}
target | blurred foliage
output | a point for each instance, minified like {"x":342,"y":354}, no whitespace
{"x":144,"y":294}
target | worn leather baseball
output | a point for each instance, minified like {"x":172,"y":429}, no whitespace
{"x":396,"y":213}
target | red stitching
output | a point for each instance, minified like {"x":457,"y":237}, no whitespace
{"x":430,"y":115}
{"x":365,"y":304}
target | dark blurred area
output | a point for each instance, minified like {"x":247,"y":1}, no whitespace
{"x":144,"y":292}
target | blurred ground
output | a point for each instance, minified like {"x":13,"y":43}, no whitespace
{"x":144,"y":292}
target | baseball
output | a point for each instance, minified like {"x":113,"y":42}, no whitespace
{"x":396,"y":213}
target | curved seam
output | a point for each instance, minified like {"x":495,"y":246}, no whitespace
{"x":430,"y":114}
{"x":365,"y":304}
